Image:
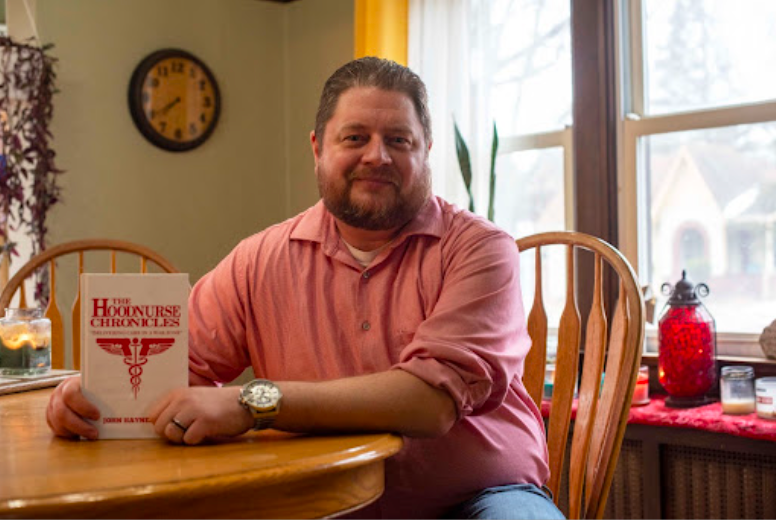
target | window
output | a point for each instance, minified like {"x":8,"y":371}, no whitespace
{"x":508,"y":63}
{"x":698,"y":162}
{"x":695,"y":133}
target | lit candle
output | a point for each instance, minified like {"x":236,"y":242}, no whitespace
{"x":20,"y":340}
{"x":641,"y":393}
{"x":25,"y":342}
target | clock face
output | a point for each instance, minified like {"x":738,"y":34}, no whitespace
{"x":174,"y":100}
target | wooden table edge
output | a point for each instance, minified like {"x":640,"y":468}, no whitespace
{"x":235,"y":496}
{"x":369,"y":457}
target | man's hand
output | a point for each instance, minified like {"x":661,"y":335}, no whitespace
{"x":192,"y":415}
{"x":68,"y":410}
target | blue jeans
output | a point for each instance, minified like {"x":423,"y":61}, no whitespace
{"x":513,"y":502}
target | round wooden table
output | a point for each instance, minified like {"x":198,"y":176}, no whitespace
{"x":260,"y":475}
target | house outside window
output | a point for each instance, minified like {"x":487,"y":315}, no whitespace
{"x":693,"y":252}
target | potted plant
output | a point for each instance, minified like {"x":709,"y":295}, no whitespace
{"x":464,"y":162}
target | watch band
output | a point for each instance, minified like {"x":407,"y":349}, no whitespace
{"x":263,"y":423}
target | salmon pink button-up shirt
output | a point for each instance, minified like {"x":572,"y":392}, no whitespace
{"x":441,"y":302}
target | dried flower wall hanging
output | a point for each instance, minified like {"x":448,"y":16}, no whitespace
{"x":28,"y":176}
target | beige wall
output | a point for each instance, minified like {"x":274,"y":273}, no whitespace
{"x":270,"y":61}
{"x":321,"y":40}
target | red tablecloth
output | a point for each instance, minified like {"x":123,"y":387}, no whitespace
{"x":708,"y":418}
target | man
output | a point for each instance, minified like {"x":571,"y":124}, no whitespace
{"x":381,"y":308}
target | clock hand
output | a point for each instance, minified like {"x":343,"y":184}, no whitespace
{"x":168,"y":106}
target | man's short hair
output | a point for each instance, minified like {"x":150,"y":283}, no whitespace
{"x":373,"y":72}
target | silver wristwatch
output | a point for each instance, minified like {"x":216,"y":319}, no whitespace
{"x":261,"y":398}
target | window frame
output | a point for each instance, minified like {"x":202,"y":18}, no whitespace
{"x":563,"y":139}
{"x":633,"y":125}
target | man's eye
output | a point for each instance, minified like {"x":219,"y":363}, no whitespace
{"x":353,"y":138}
{"x":401,"y":140}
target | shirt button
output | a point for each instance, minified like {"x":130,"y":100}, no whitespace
{"x":366,"y":325}
{"x":367,"y":274}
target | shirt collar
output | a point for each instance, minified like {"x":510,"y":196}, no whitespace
{"x":317,"y":225}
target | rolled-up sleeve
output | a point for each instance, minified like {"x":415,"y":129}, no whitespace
{"x":474,"y":341}
{"x":217,"y":352}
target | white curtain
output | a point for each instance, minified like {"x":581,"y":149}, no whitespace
{"x":446,"y":43}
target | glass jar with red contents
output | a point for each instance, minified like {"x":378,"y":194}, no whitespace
{"x":687,"y":345}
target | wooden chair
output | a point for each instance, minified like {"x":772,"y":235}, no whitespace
{"x":49,"y":256}
{"x":602,"y":407}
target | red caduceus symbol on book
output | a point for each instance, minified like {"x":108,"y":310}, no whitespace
{"x":135,"y":352}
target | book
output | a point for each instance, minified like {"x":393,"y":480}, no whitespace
{"x":134,"y":347}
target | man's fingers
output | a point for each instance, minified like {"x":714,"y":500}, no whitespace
{"x":67,"y":408}
{"x":76,"y":401}
{"x":163,"y":419}
{"x":53,"y":423}
{"x":159,"y":407}
{"x":66,"y":423}
{"x":195,"y":433}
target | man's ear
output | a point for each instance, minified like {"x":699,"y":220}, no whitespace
{"x":315,"y":145}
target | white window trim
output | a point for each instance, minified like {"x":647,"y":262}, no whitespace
{"x":556,"y":139}
{"x":634,"y":125}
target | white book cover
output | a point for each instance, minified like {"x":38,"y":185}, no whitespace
{"x":134,"y":347}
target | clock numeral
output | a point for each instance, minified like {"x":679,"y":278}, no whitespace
{"x":192,"y":72}
{"x":146,"y":97}
{"x":192,"y":129}
{"x":202,"y":84}
{"x":207,"y":102}
{"x":203,"y":118}
{"x":162,"y":71}
{"x":177,"y":67}
{"x":178,"y":134}
{"x":163,"y":126}
{"x":153,"y":82}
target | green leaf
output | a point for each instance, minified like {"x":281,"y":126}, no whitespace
{"x":465,"y":163}
{"x":492,"y":193}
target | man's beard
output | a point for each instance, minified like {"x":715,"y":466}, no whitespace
{"x":383,"y":211}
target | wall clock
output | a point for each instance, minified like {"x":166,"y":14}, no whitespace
{"x":174,"y":100}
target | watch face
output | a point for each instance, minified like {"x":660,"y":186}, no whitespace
{"x":262,"y":395}
{"x":174,"y":100}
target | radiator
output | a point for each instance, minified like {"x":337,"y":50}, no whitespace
{"x":705,"y":483}
{"x":695,"y":483}
{"x":626,"y":496}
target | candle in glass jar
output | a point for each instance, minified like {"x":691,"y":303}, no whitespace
{"x":641,"y":392}
{"x":765,"y":389}
{"x":25,"y":342}
{"x":737,"y":390}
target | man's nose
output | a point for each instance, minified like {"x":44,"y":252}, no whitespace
{"x":376,"y":153}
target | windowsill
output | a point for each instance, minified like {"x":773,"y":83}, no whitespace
{"x":707,"y":418}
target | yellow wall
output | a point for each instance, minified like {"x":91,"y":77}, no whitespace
{"x":270,"y":61}
{"x":381,"y":29}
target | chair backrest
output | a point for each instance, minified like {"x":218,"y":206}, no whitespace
{"x":49,"y":257}
{"x":601,"y":407}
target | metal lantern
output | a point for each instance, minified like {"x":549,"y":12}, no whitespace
{"x":687,"y":345}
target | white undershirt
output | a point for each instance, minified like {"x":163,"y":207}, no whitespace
{"x":364,"y":257}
